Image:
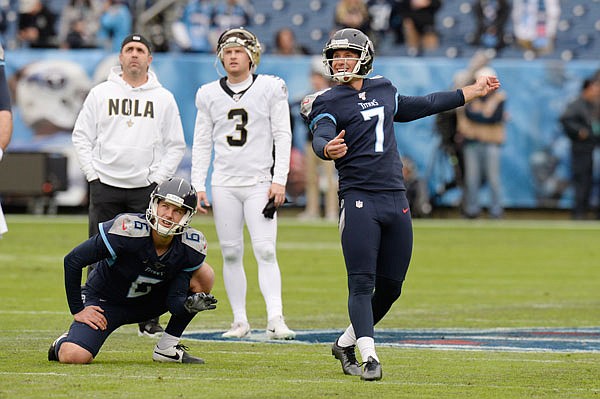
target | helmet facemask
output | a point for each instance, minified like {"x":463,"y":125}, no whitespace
{"x":174,"y":191}
{"x":174,"y":228}
{"x":355,"y":41}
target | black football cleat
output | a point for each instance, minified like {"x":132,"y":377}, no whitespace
{"x":150,"y":328}
{"x":347,"y":357}
{"x":52,"y":356}
{"x":175,"y":354}
{"x":372,"y":370}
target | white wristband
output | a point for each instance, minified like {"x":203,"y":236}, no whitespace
{"x":1,"y":153}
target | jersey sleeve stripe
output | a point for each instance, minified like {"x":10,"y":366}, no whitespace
{"x":105,"y":239}
{"x":319,"y":117}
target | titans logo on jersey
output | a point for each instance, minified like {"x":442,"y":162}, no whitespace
{"x":133,"y":267}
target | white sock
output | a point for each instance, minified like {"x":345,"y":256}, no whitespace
{"x":269,"y":279}
{"x":366,"y":346}
{"x":167,"y":341}
{"x":234,"y":278}
{"x":348,"y":338}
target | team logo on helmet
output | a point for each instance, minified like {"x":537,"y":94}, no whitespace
{"x":355,"y":41}
{"x":240,"y":37}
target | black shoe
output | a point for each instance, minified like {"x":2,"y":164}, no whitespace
{"x":347,"y":357}
{"x":175,"y":354}
{"x":372,"y":370}
{"x":52,"y":356}
{"x":150,"y":328}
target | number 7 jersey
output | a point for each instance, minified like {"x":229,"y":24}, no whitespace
{"x":242,"y":128}
{"x":372,"y":161}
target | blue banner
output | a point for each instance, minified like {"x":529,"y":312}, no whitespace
{"x":535,"y":156}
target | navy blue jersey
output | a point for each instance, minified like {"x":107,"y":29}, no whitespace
{"x":128,"y":270}
{"x":372,"y":162}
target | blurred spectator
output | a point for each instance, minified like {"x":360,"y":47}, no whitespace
{"x":451,"y":141}
{"x":581,"y":123}
{"x":491,"y":17}
{"x":416,"y":189}
{"x":285,"y":43}
{"x":192,"y":28}
{"x":230,"y":14}
{"x":37,"y":25}
{"x":352,"y":14}
{"x":79,"y":24}
{"x":418,"y":24}
{"x":49,"y":95}
{"x":379,"y":12}
{"x":115,"y":24}
{"x":481,"y":123}
{"x":321,"y":176}
{"x":535,"y":23}
{"x":157,"y":28}
{"x":3,"y":21}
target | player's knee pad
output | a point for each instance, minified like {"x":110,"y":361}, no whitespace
{"x":264,"y":251}
{"x":361,"y":284}
{"x":232,"y":253}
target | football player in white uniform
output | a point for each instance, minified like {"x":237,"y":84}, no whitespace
{"x":245,"y":118}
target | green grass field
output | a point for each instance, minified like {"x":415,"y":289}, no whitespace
{"x":464,"y":274}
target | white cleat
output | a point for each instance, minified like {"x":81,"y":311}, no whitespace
{"x":238,"y":329}
{"x":277,"y":329}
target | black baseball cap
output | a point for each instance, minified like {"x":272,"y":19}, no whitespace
{"x":136,"y":37}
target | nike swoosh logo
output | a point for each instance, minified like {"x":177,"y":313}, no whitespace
{"x":273,"y":330}
{"x":174,"y":357}
{"x":404,"y":210}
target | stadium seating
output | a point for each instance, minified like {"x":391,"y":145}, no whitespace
{"x":312,"y":20}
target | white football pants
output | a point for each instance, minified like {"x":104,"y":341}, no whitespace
{"x":231,"y":207}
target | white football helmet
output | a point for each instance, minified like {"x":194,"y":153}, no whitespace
{"x":240,"y":37}
{"x":176,"y":191}
{"x":52,"y":90}
{"x":353,"y":40}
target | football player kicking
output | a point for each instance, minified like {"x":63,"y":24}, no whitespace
{"x":352,"y":124}
{"x":145,"y":267}
{"x":245,"y":118}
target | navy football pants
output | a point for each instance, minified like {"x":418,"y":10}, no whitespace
{"x":118,"y":315}
{"x":377,"y":240}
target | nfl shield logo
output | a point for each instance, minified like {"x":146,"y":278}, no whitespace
{"x":359,"y":204}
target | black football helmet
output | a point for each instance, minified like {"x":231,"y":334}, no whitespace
{"x":178,"y":192}
{"x":240,"y":37}
{"x":353,"y":40}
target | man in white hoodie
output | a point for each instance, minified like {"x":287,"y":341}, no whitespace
{"x":128,"y":138}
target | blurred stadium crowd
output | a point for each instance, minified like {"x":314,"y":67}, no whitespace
{"x":565,"y":29}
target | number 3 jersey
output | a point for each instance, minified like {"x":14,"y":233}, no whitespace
{"x":128,"y":268}
{"x":367,"y":115}
{"x":242,"y":126}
